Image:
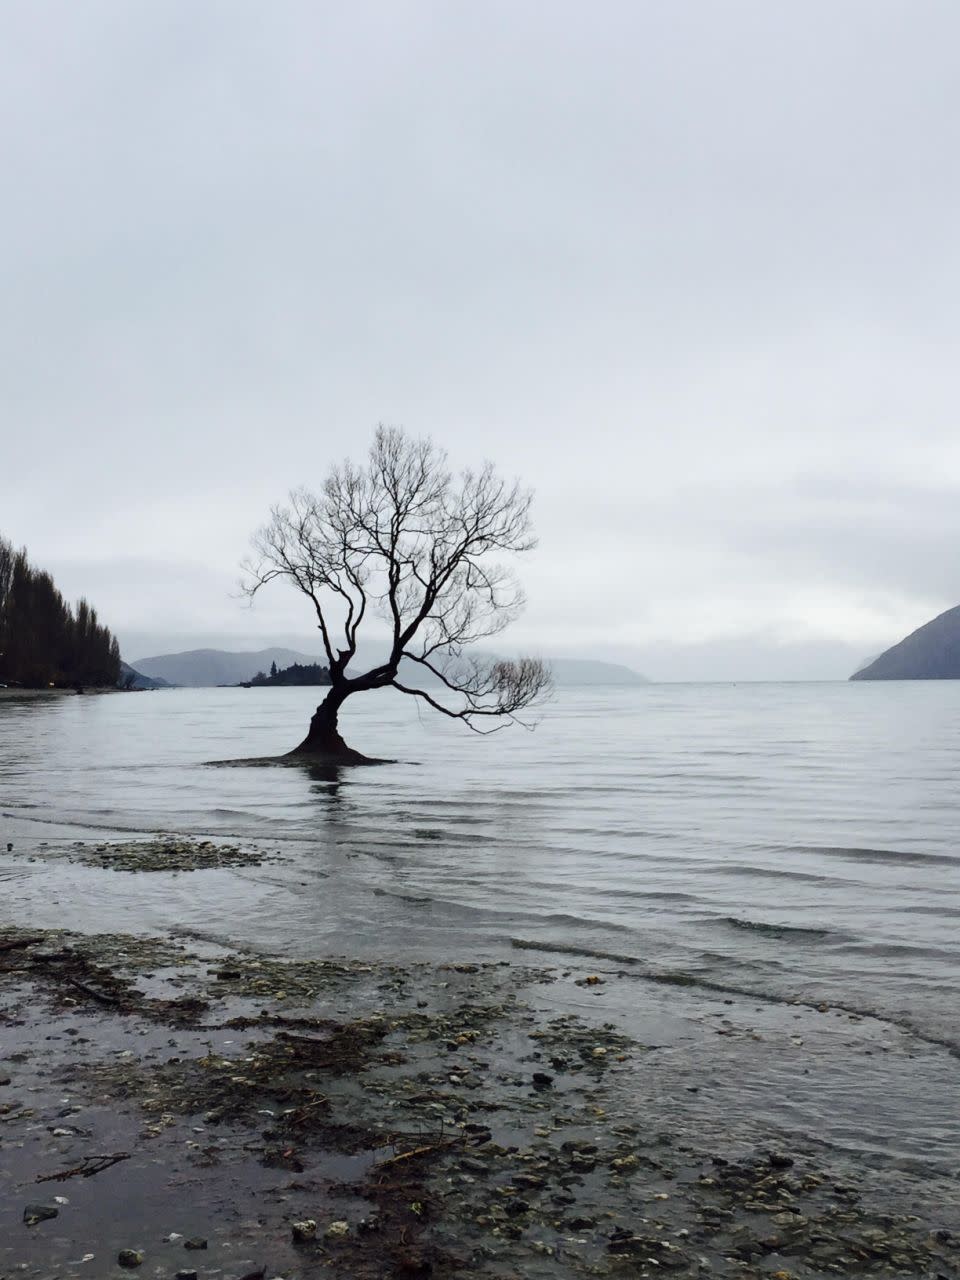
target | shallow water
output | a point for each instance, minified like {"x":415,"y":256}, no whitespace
{"x":795,"y":840}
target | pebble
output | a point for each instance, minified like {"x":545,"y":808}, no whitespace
{"x":196,"y":1242}
{"x":130,"y":1258}
{"x":304,"y":1230}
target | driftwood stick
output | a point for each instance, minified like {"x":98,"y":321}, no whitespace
{"x":13,"y":944}
{"x":86,"y":1169}
{"x":92,"y":992}
{"x":419,"y":1151}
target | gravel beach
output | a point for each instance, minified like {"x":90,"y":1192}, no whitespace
{"x":180,"y":1108}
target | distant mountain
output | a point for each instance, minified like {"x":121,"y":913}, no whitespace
{"x":200,"y":668}
{"x":585,"y":671}
{"x":864,"y":664}
{"x":204,"y":668}
{"x":930,"y":653}
{"x":130,"y":678}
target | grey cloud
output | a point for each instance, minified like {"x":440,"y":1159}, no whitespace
{"x":691,"y":270}
{"x":857,"y":533}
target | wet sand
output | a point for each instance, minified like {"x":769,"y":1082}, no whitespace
{"x":356,"y":1118}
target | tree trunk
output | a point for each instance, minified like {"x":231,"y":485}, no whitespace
{"x":323,"y":741}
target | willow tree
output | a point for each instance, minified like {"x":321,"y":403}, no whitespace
{"x":401,"y":540}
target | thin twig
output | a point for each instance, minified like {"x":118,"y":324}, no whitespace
{"x":419,"y":1151}
{"x":100,"y":996}
{"x":86,"y":1169}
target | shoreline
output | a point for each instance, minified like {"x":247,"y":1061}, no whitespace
{"x":460,"y":1119}
{"x":9,"y":694}
{"x":28,"y":695}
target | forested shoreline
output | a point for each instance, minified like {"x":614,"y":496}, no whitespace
{"x":297,"y":674}
{"x":44,"y":640}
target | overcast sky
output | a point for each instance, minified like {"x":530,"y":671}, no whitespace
{"x":690,"y":268}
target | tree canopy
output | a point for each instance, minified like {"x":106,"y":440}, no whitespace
{"x":310,"y":673}
{"x":404,"y":540}
{"x":43,"y":640}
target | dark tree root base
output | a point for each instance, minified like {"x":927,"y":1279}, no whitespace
{"x":322,"y":748}
{"x":306,"y":758}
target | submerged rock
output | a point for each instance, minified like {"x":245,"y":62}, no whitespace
{"x":35,"y":1213}
{"x":166,"y":853}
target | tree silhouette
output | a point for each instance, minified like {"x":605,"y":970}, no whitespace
{"x":42,"y":640}
{"x":402,"y":538}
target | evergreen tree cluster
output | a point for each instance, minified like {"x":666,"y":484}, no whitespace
{"x":43,"y":640}
{"x":298,"y":674}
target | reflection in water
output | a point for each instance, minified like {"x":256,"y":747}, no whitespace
{"x":327,"y":780}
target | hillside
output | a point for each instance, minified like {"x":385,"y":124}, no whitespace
{"x":130,"y":678}
{"x":203,"y":668}
{"x":932,"y":652}
{"x":200,"y":668}
{"x":580,"y":671}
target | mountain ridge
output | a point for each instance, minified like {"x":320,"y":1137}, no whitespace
{"x":131,"y":678}
{"x":207,"y":668}
{"x":932,"y":652}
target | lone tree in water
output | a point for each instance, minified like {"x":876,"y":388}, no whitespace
{"x":403,"y":538}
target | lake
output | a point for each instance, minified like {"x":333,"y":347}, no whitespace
{"x":796,"y":843}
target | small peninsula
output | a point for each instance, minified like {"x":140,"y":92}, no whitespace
{"x":310,"y":673}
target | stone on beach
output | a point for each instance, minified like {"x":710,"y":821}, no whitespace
{"x":35,"y":1213}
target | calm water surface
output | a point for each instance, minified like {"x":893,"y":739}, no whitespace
{"x":796,"y":840}
{"x":759,"y":845}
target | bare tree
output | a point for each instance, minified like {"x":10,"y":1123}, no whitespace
{"x":404,"y":539}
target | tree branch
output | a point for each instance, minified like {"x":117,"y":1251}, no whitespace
{"x":403,"y":535}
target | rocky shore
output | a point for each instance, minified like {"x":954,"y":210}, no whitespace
{"x":174,"y":1108}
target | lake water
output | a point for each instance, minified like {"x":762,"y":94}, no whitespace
{"x":798,"y":842}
